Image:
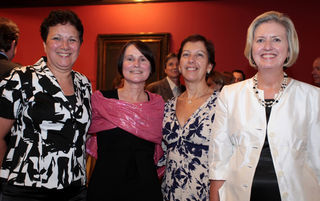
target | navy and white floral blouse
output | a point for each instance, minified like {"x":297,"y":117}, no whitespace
{"x":47,"y":143}
{"x":186,"y":153}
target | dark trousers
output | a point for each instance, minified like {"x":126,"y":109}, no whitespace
{"x":18,"y":193}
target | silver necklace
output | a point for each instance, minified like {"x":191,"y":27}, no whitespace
{"x":270,"y":103}
{"x":189,"y":101}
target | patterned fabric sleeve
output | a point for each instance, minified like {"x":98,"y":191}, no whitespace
{"x":11,"y":96}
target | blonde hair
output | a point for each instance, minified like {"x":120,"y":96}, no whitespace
{"x":292,"y":36}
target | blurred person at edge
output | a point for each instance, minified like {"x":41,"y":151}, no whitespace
{"x":47,"y":107}
{"x":187,"y":125}
{"x":266,"y":130}
{"x":9,"y":35}
{"x":169,"y":86}
{"x":316,"y":71}
{"x":127,"y":122}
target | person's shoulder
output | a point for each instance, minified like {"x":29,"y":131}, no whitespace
{"x":155,"y":96}
{"x":237,"y":86}
{"x":81,"y":76}
{"x":7,"y":64}
{"x":296,"y":84}
{"x":170,"y":104}
{"x":154,"y":85}
{"x":22,"y":71}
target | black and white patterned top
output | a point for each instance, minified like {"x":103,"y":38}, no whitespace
{"x":186,"y":154}
{"x":47,"y":144}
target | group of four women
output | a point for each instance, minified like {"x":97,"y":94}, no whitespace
{"x":256,"y":140}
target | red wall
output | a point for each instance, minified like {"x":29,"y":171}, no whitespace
{"x":223,"y":21}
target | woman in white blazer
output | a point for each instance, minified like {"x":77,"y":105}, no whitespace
{"x":266,"y":142}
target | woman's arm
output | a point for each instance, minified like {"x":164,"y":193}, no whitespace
{"x":214,"y":189}
{"x":221,"y":148}
{"x":5,"y":125}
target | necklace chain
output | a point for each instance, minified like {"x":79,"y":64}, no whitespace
{"x":189,"y":101}
{"x":270,"y":103}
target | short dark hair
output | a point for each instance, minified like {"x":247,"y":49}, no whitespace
{"x":9,"y":32}
{"x":168,"y":57}
{"x":61,"y":17}
{"x":143,"y":48}
{"x":241,"y":72}
{"x":208,"y":44}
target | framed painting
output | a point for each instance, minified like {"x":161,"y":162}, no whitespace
{"x":110,"y":45}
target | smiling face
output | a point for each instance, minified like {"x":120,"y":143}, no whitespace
{"x":136,"y":67}
{"x":171,"y":69}
{"x":270,"y":45}
{"x":62,"y":47}
{"x":194,"y":62}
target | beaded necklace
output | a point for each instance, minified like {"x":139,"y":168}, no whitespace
{"x":270,"y":103}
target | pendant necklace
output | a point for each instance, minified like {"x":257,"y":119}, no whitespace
{"x":270,"y":103}
{"x":189,"y":101}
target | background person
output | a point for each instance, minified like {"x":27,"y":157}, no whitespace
{"x":9,"y":35}
{"x":238,"y":75}
{"x":127,"y":122}
{"x":187,"y":125}
{"x":169,"y":86}
{"x":216,"y":80}
{"x":316,"y":71}
{"x":266,"y":130}
{"x":47,"y":105}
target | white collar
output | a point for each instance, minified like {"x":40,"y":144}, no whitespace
{"x":171,"y":83}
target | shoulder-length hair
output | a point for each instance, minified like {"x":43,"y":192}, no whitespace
{"x":292,"y":36}
{"x":143,"y":48}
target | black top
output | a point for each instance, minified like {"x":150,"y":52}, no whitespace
{"x":72,"y":100}
{"x":265,"y":185}
{"x":125,"y":168}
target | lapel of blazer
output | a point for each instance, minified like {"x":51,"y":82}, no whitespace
{"x":166,"y":89}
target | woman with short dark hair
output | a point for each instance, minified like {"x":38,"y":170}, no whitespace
{"x":47,"y":108}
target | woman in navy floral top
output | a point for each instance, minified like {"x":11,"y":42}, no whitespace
{"x":47,"y":107}
{"x":187,"y":125}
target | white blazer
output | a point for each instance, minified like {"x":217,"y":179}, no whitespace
{"x":294,"y":138}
